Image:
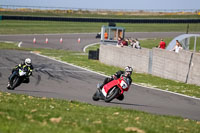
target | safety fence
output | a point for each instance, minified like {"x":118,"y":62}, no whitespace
{"x":183,"y":66}
{"x":4,"y":17}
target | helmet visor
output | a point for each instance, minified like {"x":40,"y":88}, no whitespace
{"x":28,"y":63}
{"x":128,"y":73}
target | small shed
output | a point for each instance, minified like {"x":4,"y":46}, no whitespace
{"x":111,"y":33}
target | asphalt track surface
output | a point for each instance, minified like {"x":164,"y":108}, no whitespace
{"x":55,"y":79}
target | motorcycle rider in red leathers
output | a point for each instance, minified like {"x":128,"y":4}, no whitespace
{"x":127,"y":73}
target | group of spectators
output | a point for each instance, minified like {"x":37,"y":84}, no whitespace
{"x":134,"y":43}
{"x":176,"y":48}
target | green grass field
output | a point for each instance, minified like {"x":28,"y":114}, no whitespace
{"x":45,"y":27}
{"x":27,"y":114}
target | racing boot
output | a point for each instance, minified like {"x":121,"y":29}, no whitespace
{"x":8,"y":86}
{"x":99,"y":87}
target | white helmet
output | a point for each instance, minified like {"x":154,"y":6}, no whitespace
{"x":28,"y":61}
{"x":128,"y":70}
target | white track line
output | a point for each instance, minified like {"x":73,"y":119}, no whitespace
{"x":108,"y":76}
{"x":7,"y":41}
{"x":84,"y":49}
{"x":69,"y":64}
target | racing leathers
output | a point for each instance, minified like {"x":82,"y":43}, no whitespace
{"x":117,"y":75}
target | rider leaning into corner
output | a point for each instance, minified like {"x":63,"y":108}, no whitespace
{"x":127,"y":73}
{"x":26,"y":65}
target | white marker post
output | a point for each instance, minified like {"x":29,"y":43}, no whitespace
{"x":47,"y":40}
{"x":34,"y":40}
{"x":61,"y":40}
{"x":79,"y":40}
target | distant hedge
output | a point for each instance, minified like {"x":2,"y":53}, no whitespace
{"x":101,"y":19}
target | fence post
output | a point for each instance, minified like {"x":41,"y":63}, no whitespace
{"x":195,"y":42}
{"x":150,"y":61}
{"x":186,"y":80}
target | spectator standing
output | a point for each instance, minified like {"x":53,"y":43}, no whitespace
{"x":162,"y":44}
{"x":106,"y":35}
{"x":177,"y":47}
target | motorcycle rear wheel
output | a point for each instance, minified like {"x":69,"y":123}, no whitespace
{"x":112,"y":94}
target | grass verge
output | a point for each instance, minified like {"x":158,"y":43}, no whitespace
{"x":22,"y":114}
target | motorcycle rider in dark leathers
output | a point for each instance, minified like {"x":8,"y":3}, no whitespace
{"x":127,"y":73}
{"x":27,"y":66}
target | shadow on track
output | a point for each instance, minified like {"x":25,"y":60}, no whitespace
{"x":130,"y":104}
{"x":34,"y":91}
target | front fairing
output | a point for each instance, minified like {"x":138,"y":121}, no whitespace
{"x":122,"y":83}
{"x":108,"y":86}
{"x":22,"y":72}
{"x":125,"y":83}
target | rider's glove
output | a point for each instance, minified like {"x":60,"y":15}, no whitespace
{"x":114,"y":77}
{"x":28,"y":74}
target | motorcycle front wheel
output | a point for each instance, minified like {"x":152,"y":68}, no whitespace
{"x":15,"y":83}
{"x":112,"y":93}
{"x":96,"y":96}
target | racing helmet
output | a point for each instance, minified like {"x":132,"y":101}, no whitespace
{"x":128,"y":70}
{"x":28,"y":61}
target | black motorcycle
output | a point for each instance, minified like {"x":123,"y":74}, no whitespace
{"x":19,"y":77}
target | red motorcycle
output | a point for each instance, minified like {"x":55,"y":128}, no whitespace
{"x":112,"y":90}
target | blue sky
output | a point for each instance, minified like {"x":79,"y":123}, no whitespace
{"x":109,"y":4}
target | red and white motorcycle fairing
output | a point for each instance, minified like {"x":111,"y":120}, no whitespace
{"x":121,"y":83}
{"x":112,"y":90}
